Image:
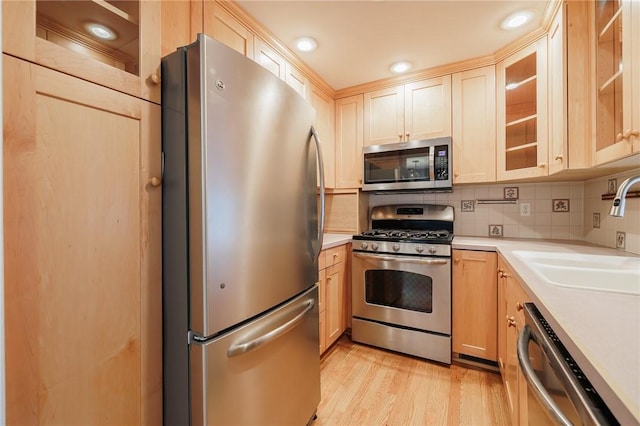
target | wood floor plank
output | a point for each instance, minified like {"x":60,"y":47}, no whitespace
{"x":362,"y":385}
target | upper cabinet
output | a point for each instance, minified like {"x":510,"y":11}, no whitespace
{"x":474,"y":125}
{"x":224,"y":27}
{"x":522,"y":113}
{"x":617,"y":41}
{"x":324,"y":125}
{"x":114,"y":43}
{"x":419,"y":110}
{"x":349,"y":141}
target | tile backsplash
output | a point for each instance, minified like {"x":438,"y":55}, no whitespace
{"x":616,"y":232}
{"x":549,"y":210}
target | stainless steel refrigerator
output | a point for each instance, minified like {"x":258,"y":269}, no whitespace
{"x":242,"y":230}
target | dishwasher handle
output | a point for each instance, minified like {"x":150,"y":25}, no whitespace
{"x":526,"y":335}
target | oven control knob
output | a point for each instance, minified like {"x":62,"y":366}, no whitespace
{"x":396,"y":247}
{"x":419,"y":249}
{"x":374,"y":246}
{"x":364,"y":246}
{"x":433,"y":250}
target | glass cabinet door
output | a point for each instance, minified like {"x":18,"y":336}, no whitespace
{"x":614,"y":130}
{"x":522,"y":138}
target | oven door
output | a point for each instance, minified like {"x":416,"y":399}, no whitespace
{"x":407,"y":291}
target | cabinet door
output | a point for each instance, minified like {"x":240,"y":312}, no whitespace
{"x":349,"y":141}
{"x":322,"y":308}
{"x":427,"y":109}
{"x":474,"y":125}
{"x":52,"y":34}
{"x":83,"y":251}
{"x":221,"y":25}
{"x":269,"y":58}
{"x":335,"y":302}
{"x":297,"y":80}
{"x":181,"y":22}
{"x":384,"y":116}
{"x":475,"y":298}
{"x":616,"y":43}
{"x":522,"y":113}
{"x":324,"y":124}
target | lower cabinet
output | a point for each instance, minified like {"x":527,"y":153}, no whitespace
{"x":333,"y":294}
{"x":511,"y":299}
{"x":474,"y":301}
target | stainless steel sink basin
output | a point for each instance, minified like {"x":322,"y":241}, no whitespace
{"x":616,"y":274}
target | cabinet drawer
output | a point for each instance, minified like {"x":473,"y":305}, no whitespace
{"x":335,"y":255}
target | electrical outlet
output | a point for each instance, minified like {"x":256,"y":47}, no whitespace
{"x":525,"y":209}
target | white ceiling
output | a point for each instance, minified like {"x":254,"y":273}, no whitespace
{"x":358,"y":40}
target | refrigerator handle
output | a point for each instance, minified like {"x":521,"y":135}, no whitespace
{"x":244,"y":347}
{"x":322,"y":191}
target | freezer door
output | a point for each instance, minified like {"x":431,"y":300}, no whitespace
{"x":264,"y":373}
{"x":253,"y":221}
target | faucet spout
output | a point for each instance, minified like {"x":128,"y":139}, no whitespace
{"x":617,"y":208}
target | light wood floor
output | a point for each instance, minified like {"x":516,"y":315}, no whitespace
{"x":362,"y":385}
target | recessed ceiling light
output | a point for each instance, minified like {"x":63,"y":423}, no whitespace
{"x":516,"y":20}
{"x":400,"y":67}
{"x":306,"y":44}
{"x":101,"y":31}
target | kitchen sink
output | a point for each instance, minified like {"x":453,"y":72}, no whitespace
{"x":615,"y":274}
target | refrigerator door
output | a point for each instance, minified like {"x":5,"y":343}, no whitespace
{"x":264,"y":373}
{"x":253,"y":221}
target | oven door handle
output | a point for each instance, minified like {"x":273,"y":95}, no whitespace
{"x":527,"y":334}
{"x":401,"y":259}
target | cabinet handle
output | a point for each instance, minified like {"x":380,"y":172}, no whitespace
{"x":558,"y":157}
{"x":620,"y":137}
{"x":511,"y":322}
{"x":456,"y":260}
{"x":630,"y":133}
{"x":407,"y":135}
{"x":154,"y":78}
{"x":542,"y":165}
{"x":505,"y":275}
{"x":456,"y":174}
{"x":519,"y":306}
{"x":155,"y":182}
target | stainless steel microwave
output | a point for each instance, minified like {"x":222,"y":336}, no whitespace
{"x":415,"y":165}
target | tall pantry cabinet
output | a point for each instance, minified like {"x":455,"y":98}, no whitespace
{"x":82,"y":220}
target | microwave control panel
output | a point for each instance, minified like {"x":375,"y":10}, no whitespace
{"x":441,"y":162}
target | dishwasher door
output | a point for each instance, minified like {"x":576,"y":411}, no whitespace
{"x":265,"y":372}
{"x":558,"y":391}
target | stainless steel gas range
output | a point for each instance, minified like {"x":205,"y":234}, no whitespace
{"x":401,"y":295}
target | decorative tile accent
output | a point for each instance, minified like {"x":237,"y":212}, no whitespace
{"x":560,"y":205}
{"x":495,"y":230}
{"x":620,"y":239}
{"x":467,"y":205}
{"x":596,"y":220}
{"x":511,"y":193}
{"x":612,"y":186}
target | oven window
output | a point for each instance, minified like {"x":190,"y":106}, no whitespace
{"x":399,"y":289}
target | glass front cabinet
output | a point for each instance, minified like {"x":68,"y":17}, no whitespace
{"x":617,"y":122}
{"x":521,"y":80}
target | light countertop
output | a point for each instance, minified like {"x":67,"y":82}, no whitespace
{"x":601,"y":330}
{"x":334,"y":240}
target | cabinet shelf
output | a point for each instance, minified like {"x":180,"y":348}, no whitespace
{"x":609,"y":24}
{"x":522,"y":147}
{"x":610,"y":81}
{"x":522,"y":120}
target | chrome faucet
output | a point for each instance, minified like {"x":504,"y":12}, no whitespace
{"x":617,"y":208}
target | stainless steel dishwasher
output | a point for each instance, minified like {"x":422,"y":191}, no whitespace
{"x":558,"y":390}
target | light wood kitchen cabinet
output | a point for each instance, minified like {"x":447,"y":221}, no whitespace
{"x":324,"y":125}
{"x":333,"y":289}
{"x":349,"y":141}
{"x":617,"y":41}
{"x":221,"y":25}
{"x":82,"y":251}
{"x":475,"y":304}
{"x":181,"y":22}
{"x":511,"y":320}
{"x":474,"y":125}
{"x":522,"y":145}
{"x":570,"y":99}
{"x":266,"y":56}
{"x":47,"y":33}
{"x":414,"y":111}
{"x":297,"y":80}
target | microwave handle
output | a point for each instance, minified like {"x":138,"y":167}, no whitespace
{"x":526,"y":334}
{"x":432,"y":164}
